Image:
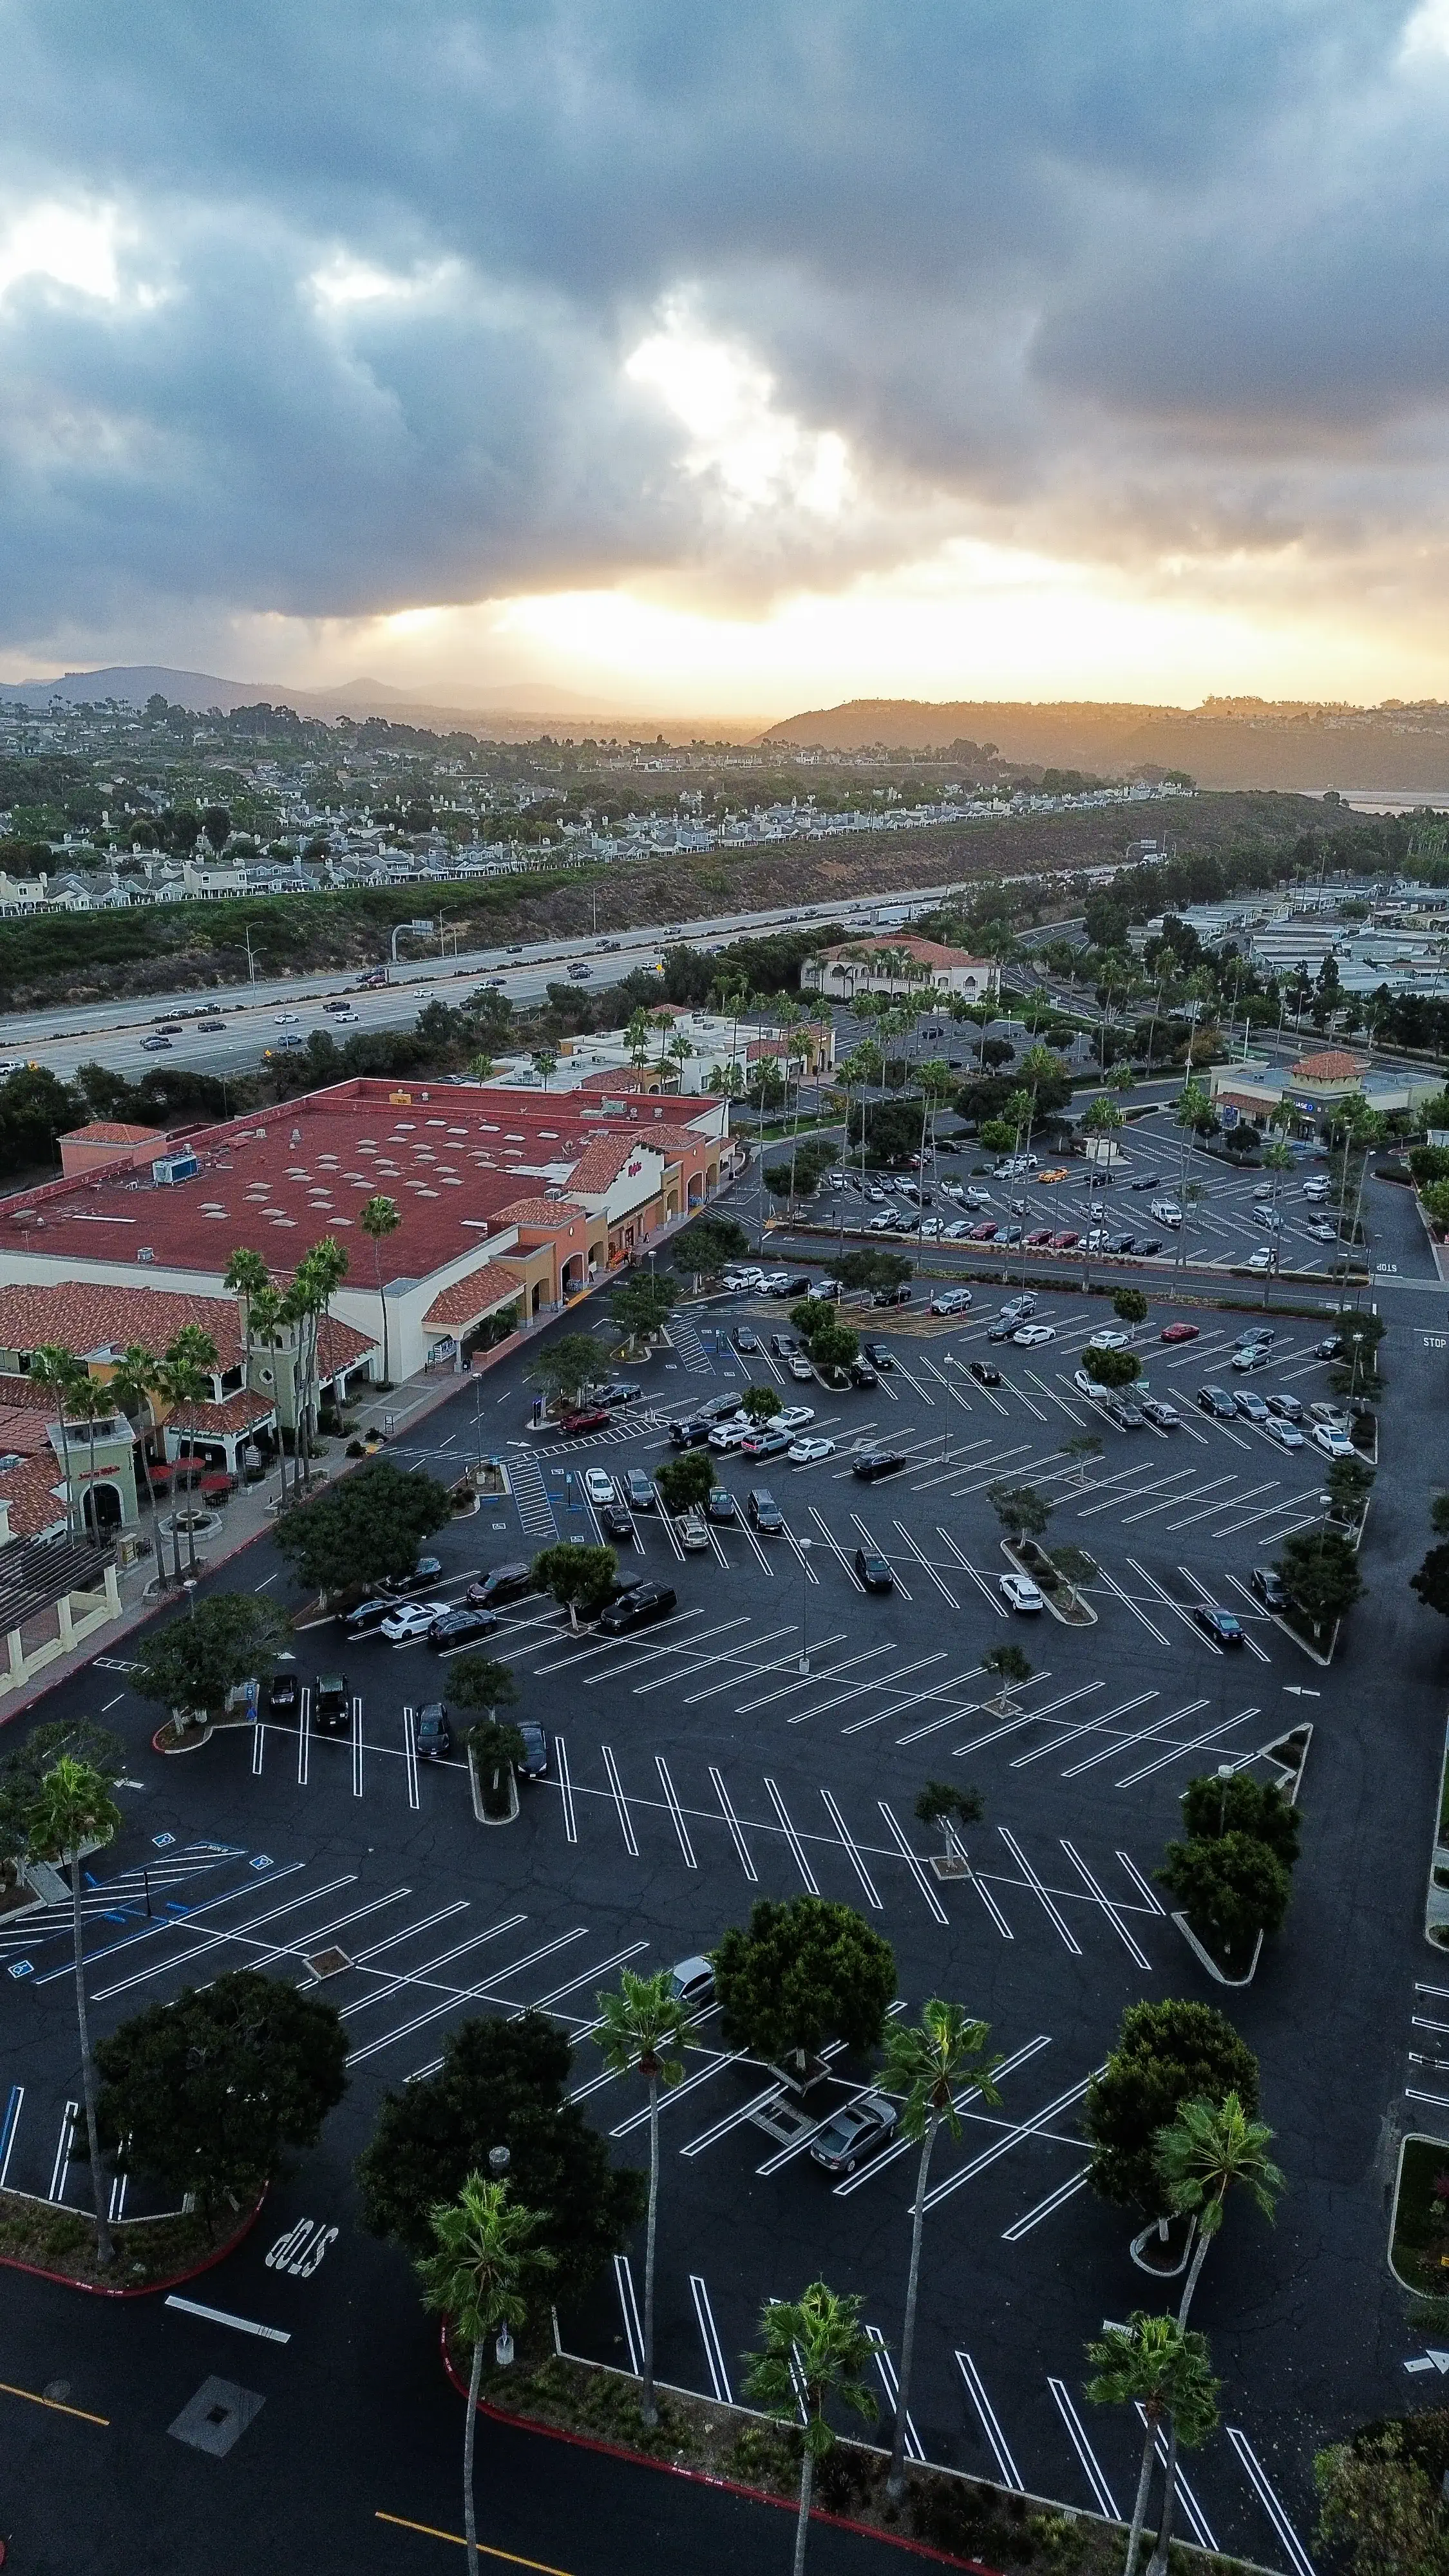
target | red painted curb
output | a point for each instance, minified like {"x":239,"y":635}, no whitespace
{"x":149,"y":2289}
{"x":706,"y":2477}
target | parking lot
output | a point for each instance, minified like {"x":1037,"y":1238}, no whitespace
{"x":772,"y":1735}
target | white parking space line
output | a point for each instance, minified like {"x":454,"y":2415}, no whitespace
{"x":571,"y":1985}
{"x":1027,"y":1716}
{"x":304,"y":1737}
{"x":991,"y":1592}
{"x":742,"y":1848}
{"x":1171,"y":1501}
{"x":913,"y":1864}
{"x":1250,"y":1520}
{"x":1139,"y":1735}
{"x":1044,"y":2209}
{"x":357,"y":1748}
{"x":1014,"y":2137}
{"x":1007,"y":2470}
{"x":852,"y":1851}
{"x":202,"y":1948}
{"x":798,"y":1680}
{"x":1092,"y":2469}
{"x":1039,"y":1891}
{"x":693,"y":1652}
{"x":410,"y":1753}
{"x":926,"y":1566}
{"x":1148,"y":1894}
{"x":1185,"y":2497}
{"x":1178,"y":1608}
{"x":259,"y":1747}
{"x":1126,"y":1599}
{"x":965,"y":1449}
{"x":756,"y":1667}
{"x":762,"y":2101}
{"x":801,"y":1558}
{"x":877,"y":1550}
{"x":10,"y":2130}
{"x":1089,"y":1726}
{"x":566,"y":1789}
{"x":66,"y":2140}
{"x":894,"y":1682}
{"x":629,"y":2311}
{"x":709,"y":2336}
{"x":837,"y":1551}
{"x":912,"y":1380}
{"x":792,"y":1838}
{"x":463,"y":1995}
{"x":1095,"y":1889}
{"x":1210,"y":1511}
{"x":621,"y":1809}
{"x":395,"y":1982}
{"x":970,"y":2093}
{"x":609,"y":1648}
{"x":1195,"y":1743}
{"x":1132,"y":1493}
{"x":1052,"y":1397}
{"x":671,"y":1800}
{"x":1271,"y":2503}
{"x":890,"y":2382}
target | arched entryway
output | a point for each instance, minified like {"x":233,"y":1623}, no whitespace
{"x":103,"y":1509}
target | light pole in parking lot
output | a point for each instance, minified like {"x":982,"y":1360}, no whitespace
{"x":804,"y":1545}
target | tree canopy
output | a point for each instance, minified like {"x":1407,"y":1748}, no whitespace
{"x":803,"y":1973}
{"x":579,"y":1577}
{"x":1112,"y":1368}
{"x":194,"y":1661}
{"x":685,"y":1481}
{"x":1166,"y":2053}
{"x":204,"y":2092}
{"x":1320,"y":1572}
{"x":363,"y":1530}
{"x":708,"y":1244}
{"x":1242,"y":1805}
{"x":565,"y":1366}
{"x":74,"y":1739}
{"x":501,"y":2083}
{"x":1231,"y":1887}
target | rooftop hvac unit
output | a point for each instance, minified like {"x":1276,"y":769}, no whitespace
{"x":168,"y":1169}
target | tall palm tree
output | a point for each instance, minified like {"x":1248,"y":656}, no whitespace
{"x":52,"y":1365}
{"x":1154,"y":2363}
{"x":1207,"y":2150}
{"x":133,"y":1383}
{"x":182,"y":1380}
{"x":643,"y":2024}
{"x":1191,"y":1105}
{"x":245,"y":1273}
{"x":89,"y":1402}
{"x":325,"y":1267}
{"x":815,"y":2349}
{"x":75,"y":1807}
{"x":475,"y":2278}
{"x":379,"y":1219}
{"x":264,"y":1314}
{"x":930,"y":2061}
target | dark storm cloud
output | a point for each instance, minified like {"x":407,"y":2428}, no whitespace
{"x":1117,"y":276}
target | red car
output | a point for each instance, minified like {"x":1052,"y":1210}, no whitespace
{"x":1042,"y":1235}
{"x":1065,"y":1242}
{"x":1179,"y":1332}
{"x":596,"y":1418}
{"x":985,"y":1232}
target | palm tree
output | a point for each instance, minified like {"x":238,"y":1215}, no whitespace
{"x":89,"y":1402}
{"x":643,"y":2023}
{"x":1152,"y":2362}
{"x":133,"y":1383}
{"x":930,"y":2062}
{"x":75,"y":1807}
{"x":543,"y":1060}
{"x":264,"y":1316}
{"x":182,"y":1380}
{"x":475,"y":2278}
{"x":245,"y":1273}
{"x":326,"y":1266}
{"x":1191,"y":1105}
{"x":815,"y":2349}
{"x":52,"y":1365}
{"x":1207,"y":2148}
{"x":378,"y":1220}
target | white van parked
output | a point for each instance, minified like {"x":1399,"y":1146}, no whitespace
{"x":1167,"y":1212}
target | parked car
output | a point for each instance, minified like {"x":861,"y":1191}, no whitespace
{"x":765,"y":1513}
{"x":1017,"y":1310}
{"x":721,"y":1505}
{"x":1323,"y":1232}
{"x":1163,"y":1416}
{"x":1065,"y":1241}
{"x":284,"y":1695}
{"x":1217,"y":1401}
{"x":766,"y":1440}
{"x":460,"y":1628}
{"x":746,"y":1339}
{"x":331,"y":1704}
{"x":691,"y":1982}
{"x":874,"y":1570}
{"x":636,"y":1608}
{"x":691,"y":1434}
{"x":1329,"y":1349}
{"x":985,"y":1373}
{"x":501,"y":1583}
{"x":794,"y":1417}
{"x":1267,"y":1582}
{"x":368,"y":1616}
{"x":1252,"y":1355}
{"x":1107,"y":1338}
{"x":615,"y":1522}
{"x":1146,"y":1245}
{"x":411,"y":1620}
{"x":857,"y":2131}
{"x":1333,"y":1414}
{"x":1287,"y":1407}
{"x":1031,"y":1335}
{"x":432,"y":1734}
{"x":1286,"y":1434}
{"x":1219,"y":1625}
{"x":725,"y":1436}
{"x":874,"y":1463}
{"x":639,"y":1490}
{"x":1332,"y":1442}
{"x":892,"y":1296}
{"x":879,"y":1357}
{"x":862,"y":1374}
{"x":532,"y":1763}
{"x":590,"y":1417}
{"x":599,"y":1485}
{"x":951,"y":1301}
{"x":1020,"y":1591}
{"x":809,"y":1451}
{"x":1250,"y":1405}
{"x":693,"y":1536}
{"x":800,"y":1368}
{"x":1261,"y":1257}
{"x":1177,"y":1332}
{"x":426,"y":1575}
{"x":620,"y":1390}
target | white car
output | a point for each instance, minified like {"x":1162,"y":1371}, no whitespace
{"x":1322,"y":1233}
{"x":1107,"y":1338}
{"x":954,"y":1233}
{"x":412,"y":1619}
{"x":882,"y":1224}
{"x":735,"y":1280}
{"x":800,"y":1368}
{"x":1262,"y":1258}
{"x":794,"y":1418}
{"x":692,"y":1534}
{"x":1318,"y":1189}
{"x":930,"y":1227}
{"x":599,"y":1486}
{"x":776,"y":1281}
{"x":977,"y":1198}
{"x":1088,"y":1386}
{"x":808,"y":1453}
{"x":1028,"y":1335}
{"x":1020,"y":1591}
{"x":729,"y":1435}
{"x":1287,"y":1434}
{"x":951,"y":1301}
{"x":285,"y":1020}
{"x":1333,"y":1443}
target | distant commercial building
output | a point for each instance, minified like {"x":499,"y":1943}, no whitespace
{"x":898,"y":964}
{"x":691,"y":1054}
{"x":1253,"y":1090}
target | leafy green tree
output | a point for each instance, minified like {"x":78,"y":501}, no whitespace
{"x":873,"y":1270}
{"x":761,"y":1403}
{"x":708,"y":1244}
{"x":834,"y":1347}
{"x":203,"y":2093}
{"x":803,"y":1973}
{"x":685,"y":1482}
{"x":1129,"y":1306}
{"x":1166,"y":2054}
{"x":1021,"y":1510}
{"x":815,"y":2350}
{"x":1320,"y":1573}
{"x":493,"y":1748}
{"x":481,"y":1681}
{"x":475,"y":2278}
{"x":642,"y":2026}
{"x":1112,"y":1368}
{"x":1084,"y":1447}
{"x":1242,"y":1805}
{"x":1380,"y":2506}
{"x":1231,"y":1887}
{"x":365,"y":1530}
{"x":501,"y":2083}
{"x":192,"y":1663}
{"x":379,"y":1218}
{"x":579,"y":1577}
{"x":640,"y":1305}
{"x":1011,"y":1669}
{"x":567,"y":1367}
{"x":1154,"y":2364}
{"x":1349,"y":1483}
{"x":935,"y":2063}
{"x":1208,"y":2150}
{"x":73,"y":1812}
{"x":946,"y":1803}
{"x":23,"y":1772}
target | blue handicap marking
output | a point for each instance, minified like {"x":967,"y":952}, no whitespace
{"x":21,"y":1968}
{"x":260,"y":1860}
{"x":162,"y":1841}
{"x":89,"y":1876}
{"x":175,"y":1906}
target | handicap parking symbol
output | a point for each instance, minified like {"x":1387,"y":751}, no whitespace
{"x":21,"y":1968}
{"x":260,"y":1860}
{"x":163,"y":1841}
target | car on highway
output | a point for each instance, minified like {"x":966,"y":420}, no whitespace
{"x":411,"y":1620}
{"x":637,"y":1608}
{"x":1029,"y":1336}
{"x":599,"y":1485}
{"x":501,"y":1583}
{"x":985,"y":1373}
{"x":331,"y":1703}
{"x":810,"y":1451}
{"x":211,"y":1028}
{"x":616,"y":1523}
{"x":1020,"y":1591}
{"x":1286,"y":1434}
{"x":1333,"y":1442}
{"x":461,"y":1627}
{"x":857,"y":2131}
{"x":1220,"y":1625}
{"x":691,"y":1983}
{"x":1217,"y":1401}
{"x":156,"y":1046}
{"x":432,"y":1734}
{"x":284,"y":1020}
{"x":873,"y":1571}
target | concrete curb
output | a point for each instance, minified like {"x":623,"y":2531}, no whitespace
{"x":148,"y":2289}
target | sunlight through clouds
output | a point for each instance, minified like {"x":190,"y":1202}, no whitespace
{"x":761,"y":458}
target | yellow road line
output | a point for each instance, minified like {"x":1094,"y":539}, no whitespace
{"x":430,"y":2533}
{"x":53,"y":2403}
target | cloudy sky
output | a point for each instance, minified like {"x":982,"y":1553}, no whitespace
{"x":730,"y":355}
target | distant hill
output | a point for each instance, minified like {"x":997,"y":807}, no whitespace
{"x":509,"y":715}
{"x":1226,"y":742}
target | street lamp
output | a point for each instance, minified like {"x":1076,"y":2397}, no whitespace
{"x":499,"y":2161}
{"x":804,"y":1545}
{"x":188,"y":1585}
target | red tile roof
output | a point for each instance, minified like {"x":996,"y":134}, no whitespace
{"x":86,"y":1317}
{"x":112,"y":1131}
{"x":928,"y":952}
{"x":599,"y":1166}
{"x":36,"y":1496}
{"x":239,"y":1412}
{"x":536,"y":1212}
{"x":1333,"y":1065}
{"x":469,"y":1298}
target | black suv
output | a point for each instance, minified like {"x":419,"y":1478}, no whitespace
{"x":636,"y":1607}
{"x":690,"y":1435}
{"x":1267,"y":1582}
{"x":879,"y":1357}
{"x":283,"y":1693}
{"x":459,"y":1628}
{"x":874,"y":1570}
{"x":501,"y":1583}
{"x":433,"y":1735}
{"x":331,"y":1704}
{"x":765,"y":1512}
{"x":878,"y":1462}
{"x":639,"y":1491}
{"x":862,"y":1374}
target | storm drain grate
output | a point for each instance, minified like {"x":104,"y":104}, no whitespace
{"x":327,"y":1963}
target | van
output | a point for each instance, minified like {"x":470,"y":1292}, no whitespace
{"x":1167,"y":1212}
{"x":765,"y":1513}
